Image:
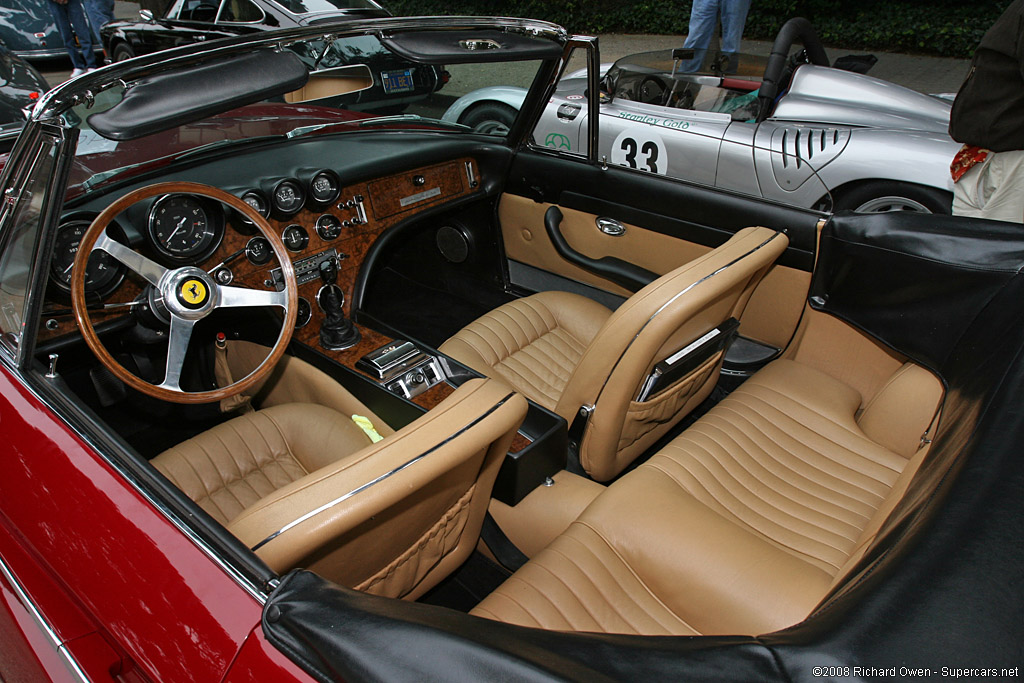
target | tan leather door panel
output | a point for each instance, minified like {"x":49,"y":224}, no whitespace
{"x":771,"y":315}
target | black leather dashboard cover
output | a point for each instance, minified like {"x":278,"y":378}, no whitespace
{"x":174,"y":98}
{"x":941,"y":588}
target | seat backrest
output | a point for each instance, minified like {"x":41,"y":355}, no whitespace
{"x":655,"y":323}
{"x":396,"y":517}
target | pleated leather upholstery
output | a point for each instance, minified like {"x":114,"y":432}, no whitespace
{"x":564,"y":351}
{"x":534,"y":343}
{"x":303,"y":486}
{"x":738,"y":526}
{"x":232,"y":466}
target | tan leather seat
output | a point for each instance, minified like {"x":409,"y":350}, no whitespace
{"x":565,"y":351}
{"x":302,"y":485}
{"x":743,"y":523}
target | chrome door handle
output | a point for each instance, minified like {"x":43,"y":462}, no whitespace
{"x":610,"y":226}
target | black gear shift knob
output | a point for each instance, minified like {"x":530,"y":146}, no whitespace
{"x":329,"y":271}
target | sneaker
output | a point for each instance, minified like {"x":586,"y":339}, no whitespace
{"x":91,"y":69}
{"x":75,"y":73}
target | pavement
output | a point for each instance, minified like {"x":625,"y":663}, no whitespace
{"x":922,"y":73}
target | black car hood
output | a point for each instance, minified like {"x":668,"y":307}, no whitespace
{"x":941,"y":586}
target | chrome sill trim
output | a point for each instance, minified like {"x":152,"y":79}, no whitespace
{"x":340,"y":499}
{"x":66,"y":657}
{"x":673,"y":300}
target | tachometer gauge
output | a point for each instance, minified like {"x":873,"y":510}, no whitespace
{"x":181,"y":227}
{"x":102,"y":274}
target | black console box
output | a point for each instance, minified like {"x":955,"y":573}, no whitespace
{"x":524,"y":471}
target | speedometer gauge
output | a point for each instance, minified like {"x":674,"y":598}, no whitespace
{"x":102,"y":274}
{"x":182,"y":228}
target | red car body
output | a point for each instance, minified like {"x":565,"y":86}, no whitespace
{"x":187,"y":620}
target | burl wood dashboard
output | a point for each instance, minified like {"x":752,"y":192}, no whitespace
{"x":364,"y":209}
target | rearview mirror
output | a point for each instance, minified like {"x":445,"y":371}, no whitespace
{"x":334,"y":82}
{"x":147,"y":15}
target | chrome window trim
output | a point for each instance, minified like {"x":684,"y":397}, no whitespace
{"x":336,"y":10}
{"x":174,"y":10}
{"x":30,"y":150}
{"x":342,"y":498}
{"x":65,"y":656}
{"x":224,"y":3}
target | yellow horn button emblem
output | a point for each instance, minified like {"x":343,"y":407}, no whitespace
{"x":193,"y":293}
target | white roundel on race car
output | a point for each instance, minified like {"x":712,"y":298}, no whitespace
{"x":640,"y":147}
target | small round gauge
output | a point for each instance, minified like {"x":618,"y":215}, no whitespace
{"x":103,"y":273}
{"x":324,"y":188}
{"x":258,"y":251}
{"x":295,"y":237}
{"x":258,"y":202}
{"x":182,"y":228}
{"x":288,"y":197}
{"x":328,"y":227}
{"x":303,"y":313}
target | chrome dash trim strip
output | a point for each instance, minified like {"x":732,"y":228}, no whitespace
{"x":342,"y":498}
{"x":30,"y":606}
{"x":673,"y":300}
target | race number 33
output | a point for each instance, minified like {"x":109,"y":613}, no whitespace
{"x":640,"y":149}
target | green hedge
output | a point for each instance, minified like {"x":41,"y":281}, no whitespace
{"x":937,"y":27}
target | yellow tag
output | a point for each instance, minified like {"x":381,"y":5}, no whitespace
{"x":367,"y":426}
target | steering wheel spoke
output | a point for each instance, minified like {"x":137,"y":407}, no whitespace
{"x":186,"y":293}
{"x":177,"y":347}
{"x":146,"y":268}
{"x":241,"y":297}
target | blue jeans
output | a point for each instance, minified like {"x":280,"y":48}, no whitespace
{"x":100,"y":12}
{"x":71,"y":22}
{"x":703,"y":17}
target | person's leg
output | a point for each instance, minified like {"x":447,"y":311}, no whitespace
{"x":734,"y":17}
{"x":60,"y":17}
{"x":100,"y":12}
{"x":76,"y":13}
{"x":703,"y":17}
{"x":703,"y":20}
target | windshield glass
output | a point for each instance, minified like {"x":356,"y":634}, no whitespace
{"x":684,"y":79}
{"x":356,"y":84}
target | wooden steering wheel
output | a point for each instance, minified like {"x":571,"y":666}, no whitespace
{"x":188,"y":293}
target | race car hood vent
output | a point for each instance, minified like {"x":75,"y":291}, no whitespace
{"x":174,"y":98}
{"x":460,"y":47}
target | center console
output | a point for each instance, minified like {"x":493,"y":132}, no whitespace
{"x":403,"y":368}
{"x":400,"y":380}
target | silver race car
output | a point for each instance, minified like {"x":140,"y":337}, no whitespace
{"x":788,"y":127}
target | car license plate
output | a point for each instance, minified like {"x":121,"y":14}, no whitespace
{"x":397,"y":81}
